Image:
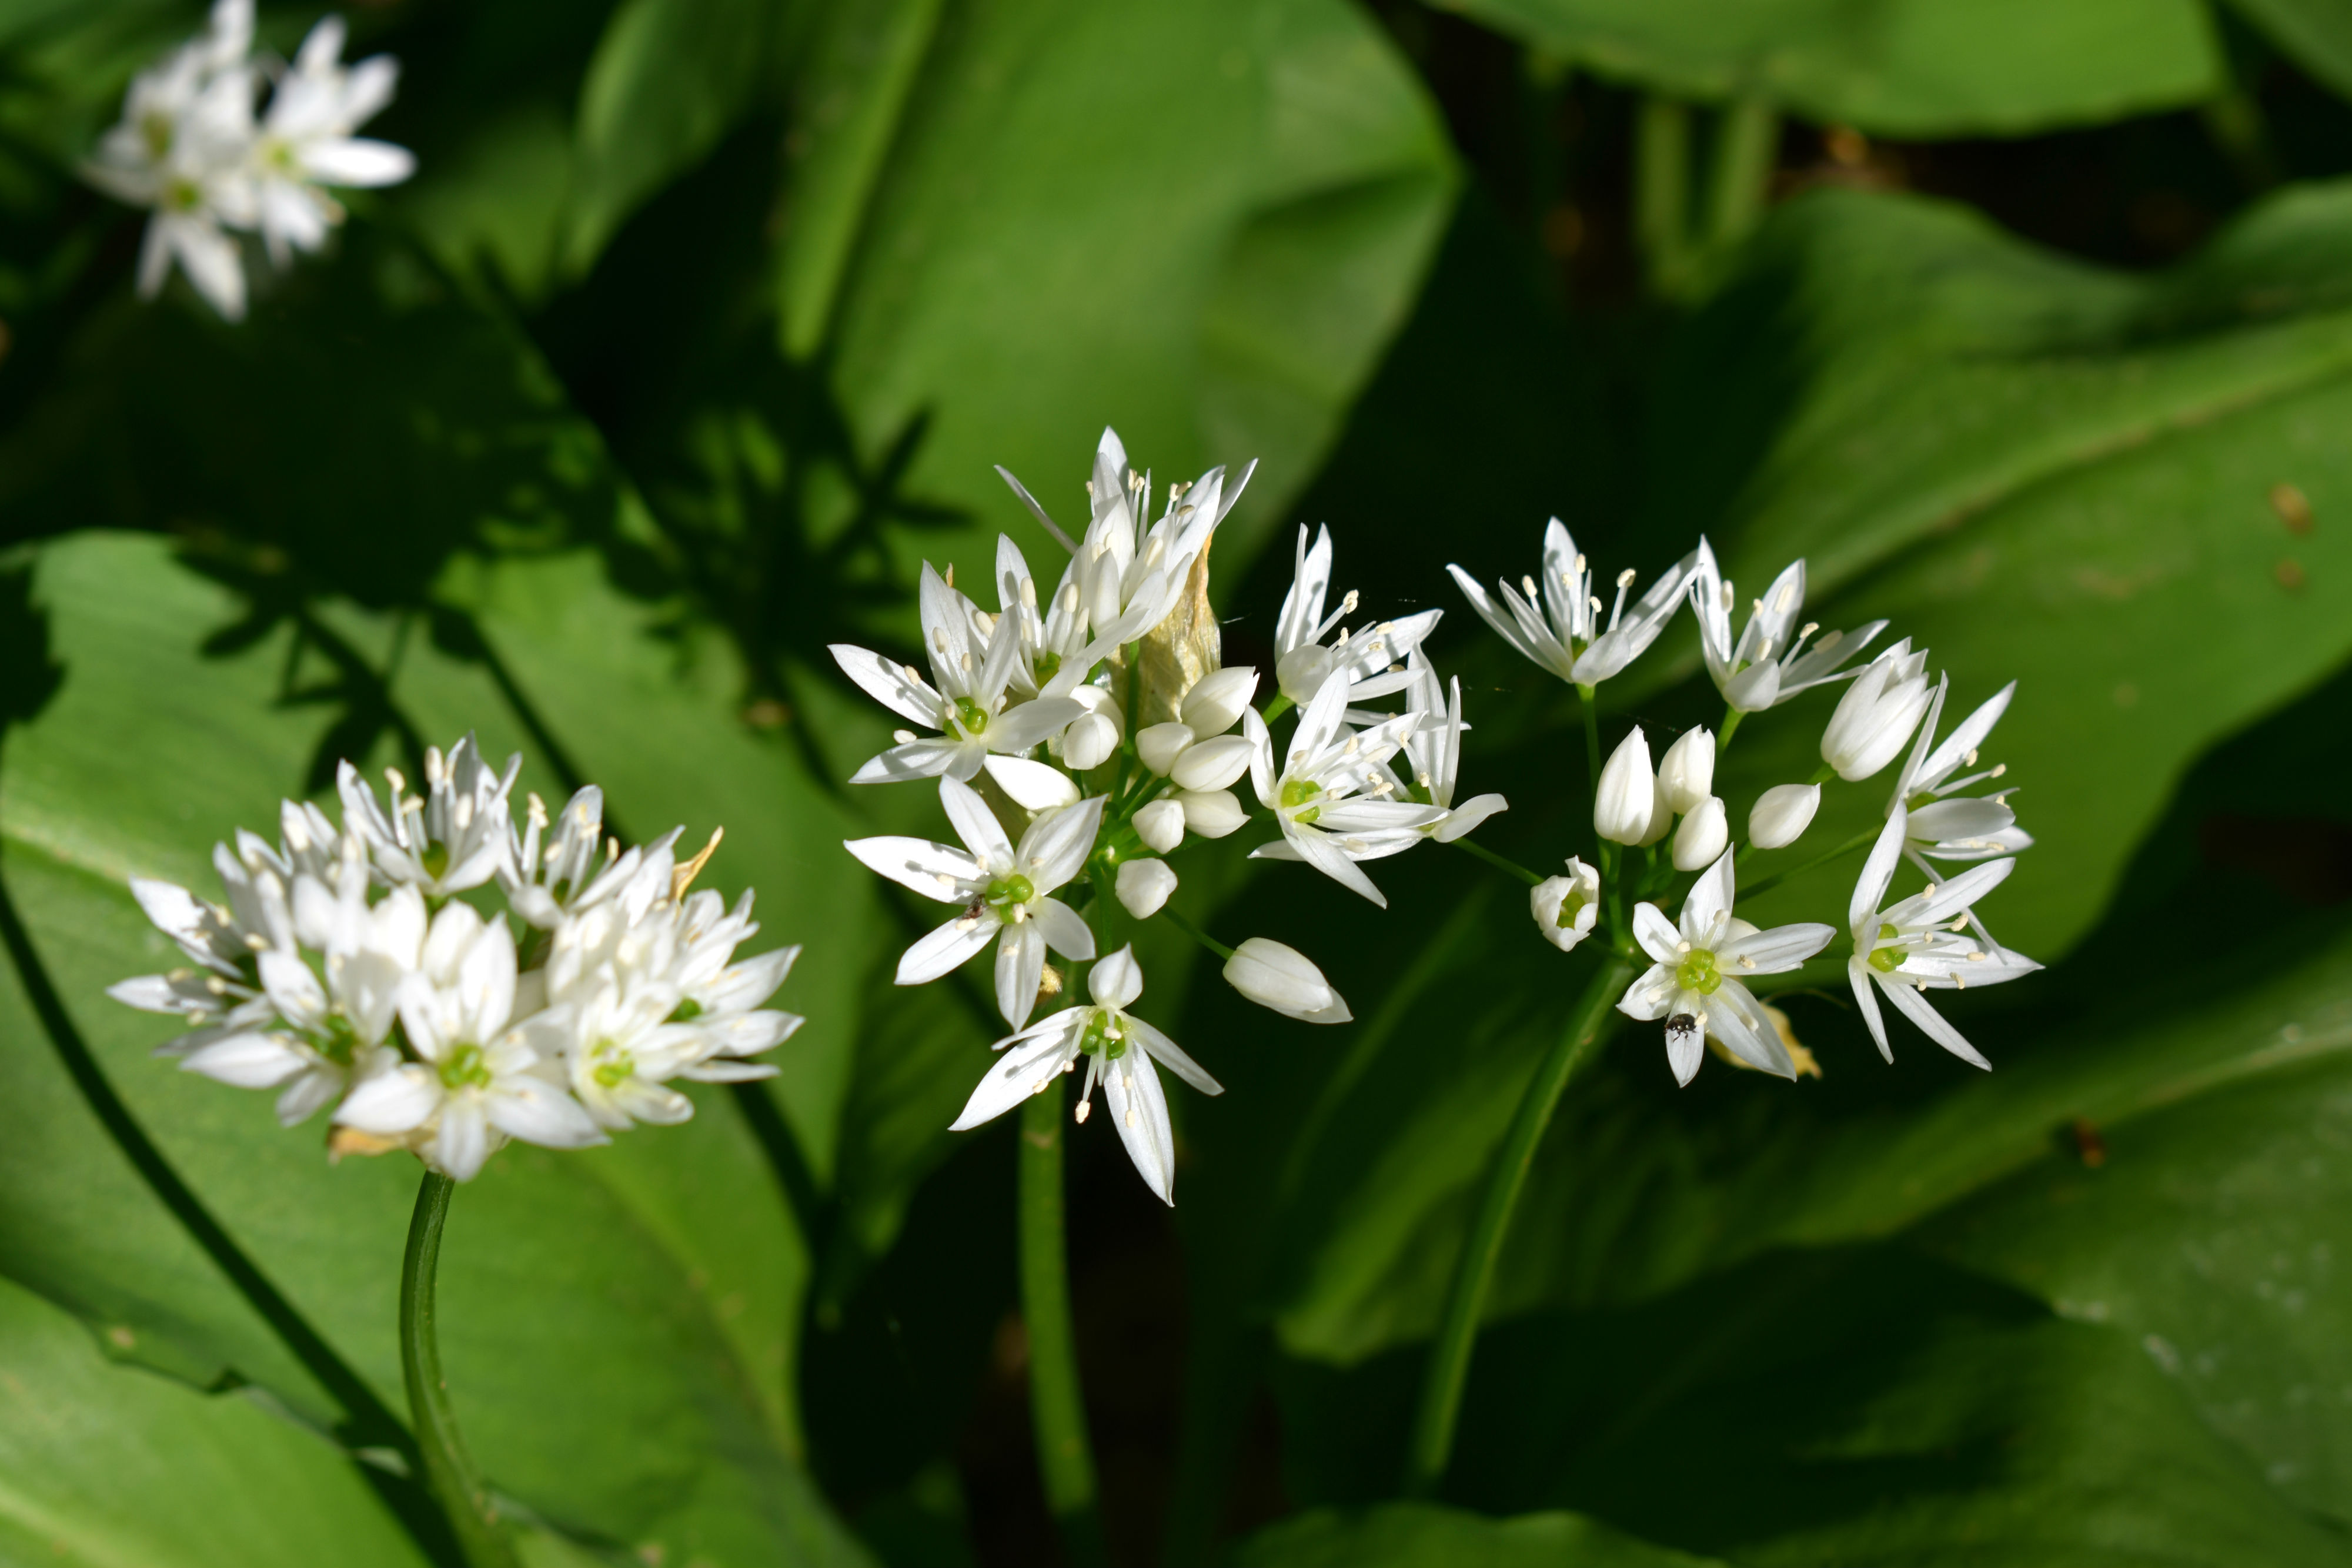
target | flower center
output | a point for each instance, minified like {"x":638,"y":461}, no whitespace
{"x":614,"y":1065}
{"x":1886,"y":960}
{"x":1296,"y":792}
{"x":181,"y":195}
{"x":1697,"y":972}
{"x":155,"y":130}
{"x":1569,"y":908}
{"x":464,"y":1068}
{"x":434,"y":860}
{"x":969,"y":715}
{"x":1008,"y":890}
{"x":1048,"y":666}
{"x":1102,"y":1037}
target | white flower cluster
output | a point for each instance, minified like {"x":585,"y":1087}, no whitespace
{"x":1080,"y":735}
{"x":368,"y":967}
{"x":1697,"y":963}
{"x":190,"y":147}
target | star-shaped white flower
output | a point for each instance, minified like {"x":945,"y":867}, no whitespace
{"x":306,"y":143}
{"x":970,"y":706}
{"x":1432,"y":753}
{"x":1920,"y":942}
{"x":479,"y":1082}
{"x":458,"y":834}
{"x":1006,"y":893}
{"x":1946,"y":825}
{"x":1120,"y":1049}
{"x":1330,"y":795}
{"x":1559,"y":625}
{"x":1374,"y":656}
{"x":1768,"y":664}
{"x":1055,"y":656}
{"x":1694,"y":979}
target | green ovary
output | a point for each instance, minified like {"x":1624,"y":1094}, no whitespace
{"x":1886,"y":960}
{"x":465,"y":1067}
{"x":434,"y":860}
{"x":1048,"y":666}
{"x":1697,"y":972}
{"x":1008,"y":890}
{"x":1569,"y":908}
{"x":968,"y":716}
{"x":614,"y":1067}
{"x":1100,"y":1039}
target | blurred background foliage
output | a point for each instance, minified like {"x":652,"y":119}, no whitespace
{"x":2030,"y":325}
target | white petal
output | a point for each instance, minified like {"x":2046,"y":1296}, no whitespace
{"x":1030,"y":1065}
{"x":1870,"y":888}
{"x":1770,"y":952}
{"x":1034,"y":786}
{"x":1132,"y":1088}
{"x":1168,"y":1053}
{"x":357,"y":161}
{"x":975,"y":824}
{"x":399,"y":1100}
{"x":1859,"y":976}
{"x":1657,"y":935}
{"x":943,"y":949}
{"x":539,"y":1113}
{"x":1054,"y":847}
{"x":935,"y":871}
{"x":1651,"y":995}
{"x":889,"y":684}
{"x":1117,"y":980}
{"x":1064,"y":929}
{"x":246,"y":1062}
{"x":1020,"y":964}
{"x":1916,"y":1009}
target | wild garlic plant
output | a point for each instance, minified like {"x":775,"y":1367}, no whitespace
{"x":441,"y":981}
{"x":192,"y":148}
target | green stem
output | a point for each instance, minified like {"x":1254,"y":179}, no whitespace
{"x":1862,"y":839}
{"x":1731,"y":718}
{"x":1275,"y":708}
{"x":1449,"y":1358}
{"x":1592,"y":736}
{"x":1662,"y":192}
{"x":447,"y":1469}
{"x":1747,"y":138}
{"x":1056,"y":1409}
{"x":1499,"y":862}
{"x":1196,"y":933}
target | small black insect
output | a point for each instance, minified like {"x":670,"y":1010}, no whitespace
{"x":1679,"y":1025}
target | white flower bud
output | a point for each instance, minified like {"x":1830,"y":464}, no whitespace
{"x":1875,"y":717}
{"x":1703,"y":837}
{"x":1280,"y":977}
{"x":1661,"y":819}
{"x":1622,"y":806}
{"x":1781,"y":814}
{"x":1211,"y":813}
{"x":1212,"y":764}
{"x":1215,"y":703}
{"x":1144,"y":886}
{"x":1686,"y":776}
{"x":1159,"y":745}
{"x":1160,"y":825}
{"x":1089,"y":741}
{"x":1566,"y":906}
{"x":1032,"y":786}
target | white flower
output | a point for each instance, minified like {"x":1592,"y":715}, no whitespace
{"x":1626,"y":802}
{"x":720,"y":997}
{"x":974,"y":668}
{"x":1916,"y":943}
{"x":478,"y":1082}
{"x":1127,"y":585}
{"x":1704,"y":835}
{"x":1143,"y":886}
{"x":1693,"y":980}
{"x":1314,"y":796}
{"x":180,"y":149}
{"x":1118,"y":1049}
{"x":458,"y":834}
{"x":1686,"y":773}
{"x":546,"y":878}
{"x":306,"y":141}
{"x":1559,"y":625}
{"x":1566,"y":906}
{"x":1160,"y":824}
{"x":1054,"y":658}
{"x":1096,"y":733}
{"x":1967,"y":828}
{"x":1004,"y":892}
{"x":1284,"y":979}
{"x":1768,"y":664}
{"x":1781,"y":814}
{"x":1432,"y":754}
{"x":617,"y":1050}
{"x":1374,"y":657}
{"x":1877,"y":714}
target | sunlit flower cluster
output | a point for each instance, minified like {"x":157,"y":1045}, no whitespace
{"x":1082,"y":733}
{"x":372,"y":968}
{"x":1700,"y":964}
{"x":192,"y":147}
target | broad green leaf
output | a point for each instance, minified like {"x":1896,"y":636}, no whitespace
{"x":1899,"y":67}
{"x":1423,"y":1536}
{"x":2313,"y":33}
{"x":113,"y":1467}
{"x":647,"y":1296}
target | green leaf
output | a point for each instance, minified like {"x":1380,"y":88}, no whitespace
{"x":1423,"y":1536}
{"x":1897,"y":68}
{"x":2313,"y":33}
{"x":113,"y":1467}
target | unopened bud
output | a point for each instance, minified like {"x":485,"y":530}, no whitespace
{"x":1211,"y":813}
{"x":1212,"y":764}
{"x":1160,"y":825}
{"x":1781,"y":815}
{"x":1661,"y":819}
{"x":1566,"y":906}
{"x":1144,"y":886}
{"x":1622,"y":806}
{"x":1282,"y":979}
{"x":1215,"y":703}
{"x":1702,"y":836}
{"x":1159,"y":745}
{"x":1089,"y":741}
{"x":1687,"y":773}
{"x":1875,"y":717}
{"x":1034,"y":786}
